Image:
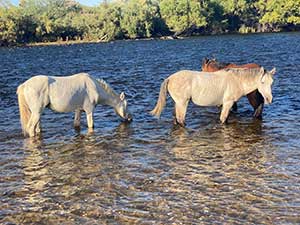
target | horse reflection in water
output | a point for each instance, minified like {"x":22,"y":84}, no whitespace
{"x":192,"y":143}
{"x":36,"y":178}
{"x":73,"y":174}
{"x":80,"y":92}
{"x":213,"y":165}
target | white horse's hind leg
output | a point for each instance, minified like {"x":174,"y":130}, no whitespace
{"x":174,"y":115}
{"x":180,"y":111}
{"x":77,"y":118}
{"x":225,"y":111}
{"x":32,"y":124}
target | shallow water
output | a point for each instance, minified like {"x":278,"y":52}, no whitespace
{"x":149,"y":171}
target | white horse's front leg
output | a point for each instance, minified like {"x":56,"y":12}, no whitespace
{"x":38,"y":127}
{"x":225,"y":111}
{"x":90,"y":122}
{"x":77,"y":118}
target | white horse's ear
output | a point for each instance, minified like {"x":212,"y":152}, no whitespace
{"x":262,"y":70}
{"x":273,"y":71}
{"x":122,"y":96}
{"x":262,"y":74}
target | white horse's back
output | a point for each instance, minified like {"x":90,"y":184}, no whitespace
{"x":61,"y":94}
{"x":203,"y":88}
{"x":69,"y":93}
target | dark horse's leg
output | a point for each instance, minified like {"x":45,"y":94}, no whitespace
{"x":257,"y":102}
{"x":234,"y":107}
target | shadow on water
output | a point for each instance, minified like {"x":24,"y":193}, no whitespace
{"x":149,"y":171}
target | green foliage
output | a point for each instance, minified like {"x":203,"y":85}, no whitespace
{"x":139,"y":18}
{"x":53,"y":20}
{"x":280,"y":13}
{"x":8,"y":28}
{"x":182,"y":15}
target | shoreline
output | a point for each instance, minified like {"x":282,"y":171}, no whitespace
{"x":71,"y":42}
{"x":169,"y":37}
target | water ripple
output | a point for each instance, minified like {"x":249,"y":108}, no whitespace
{"x":149,"y":171}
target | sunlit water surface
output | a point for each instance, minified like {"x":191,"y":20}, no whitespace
{"x":149,"y":171}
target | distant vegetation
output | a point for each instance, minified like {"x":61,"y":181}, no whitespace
{"x":63,"y":20}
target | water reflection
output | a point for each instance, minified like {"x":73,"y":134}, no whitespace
{"x":34,"y":165}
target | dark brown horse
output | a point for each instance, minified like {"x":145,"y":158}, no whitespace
{"x":255,"y":98}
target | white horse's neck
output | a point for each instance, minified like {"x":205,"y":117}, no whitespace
{"x":249,"y":79}
{"x":250,"y":84}
{"x":107,"y":96}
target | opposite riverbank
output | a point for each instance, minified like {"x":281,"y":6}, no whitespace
{"x":68,"y":22}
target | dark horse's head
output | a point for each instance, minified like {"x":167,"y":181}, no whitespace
{"x":211,"y":65}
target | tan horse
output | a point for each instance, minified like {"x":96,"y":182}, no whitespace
{"x":223,"y":87}
{"x":78,"y":93}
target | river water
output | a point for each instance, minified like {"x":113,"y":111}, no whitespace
{"x":149,"y":171}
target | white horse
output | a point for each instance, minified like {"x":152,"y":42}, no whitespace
{"x":223,"y":87}
{"x":78,"y":93}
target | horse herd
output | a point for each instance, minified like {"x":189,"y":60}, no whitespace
{"x":218,"y":84}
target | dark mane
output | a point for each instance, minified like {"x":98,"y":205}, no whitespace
{"x":214,"y":63}
{"x":217,"y":64}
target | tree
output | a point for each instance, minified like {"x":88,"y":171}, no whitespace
{"x":8,"y":31}
{"x":139,"y":18}
{"x":52,"y":20}
{"x":183,"y":15}
{"x":278,"y":13}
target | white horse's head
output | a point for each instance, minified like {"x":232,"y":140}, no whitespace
{"x":265,"y":84}
{"x":121,"y":108}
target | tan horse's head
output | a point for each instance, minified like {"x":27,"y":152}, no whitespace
{"x":265,"y":84}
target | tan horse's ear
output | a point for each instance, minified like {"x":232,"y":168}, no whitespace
{"x":273,"y":71}
{"x":122,"y":96}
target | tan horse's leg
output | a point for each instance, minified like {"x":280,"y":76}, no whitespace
{"x":225,"y":111}
{"x":234,"y":107}
{"x":180,"y":112}
{"x":77,"y":118}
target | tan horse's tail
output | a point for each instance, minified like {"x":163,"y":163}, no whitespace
{"x":24,"y":109}
{"x":161,"y":102}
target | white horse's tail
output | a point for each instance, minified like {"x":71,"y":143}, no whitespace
{"x":161,"y":102}
{"x":25,"y":112}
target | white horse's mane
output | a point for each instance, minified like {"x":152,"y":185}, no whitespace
{"x":107,"y":87}
{"x":243,"y":71}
